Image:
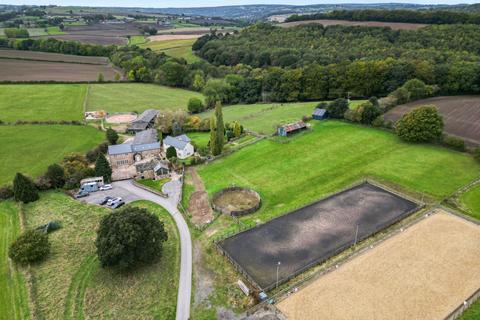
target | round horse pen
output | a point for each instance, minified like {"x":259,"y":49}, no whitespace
{"x":121,"y":117}
{"x":236,"y":201}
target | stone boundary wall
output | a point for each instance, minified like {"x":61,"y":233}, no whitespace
{"x":236,"y":213}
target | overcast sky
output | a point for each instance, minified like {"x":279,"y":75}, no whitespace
{"x":205,"y":3}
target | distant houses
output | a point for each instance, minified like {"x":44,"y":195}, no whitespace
{"x":181,"y":144}
{"x":144,"y":121}
{"x":291,"y":128}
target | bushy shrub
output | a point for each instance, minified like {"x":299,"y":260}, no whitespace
{"x":55,"y":175}
{"x":171,"y":152}
{"x":423,"y":124}
{"x":24,"y":189}
{"x":129,"y":238}
{"x":42,"y":183}
{"x":454,"y":143}
{"x":337,"y":108}
{"x":6,"y":192}
{"x":370,"y":112}
{"x":112,"y":136}
{"x":378,"y":122}
{"x":195,"y":105}
{"x":31,"y":246}
{"x":354,"y":115}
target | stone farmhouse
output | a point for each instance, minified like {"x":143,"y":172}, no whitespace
{"x":144,"y":121}
{"x":133,"y":160}
{"x":181,"y":144}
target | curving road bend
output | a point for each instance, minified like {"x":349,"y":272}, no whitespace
{"x":170,"y":204}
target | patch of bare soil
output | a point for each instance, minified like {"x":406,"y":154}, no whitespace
{"x":198,"y":205}
{"x":236,"y":200}
{"x":121,"y":118}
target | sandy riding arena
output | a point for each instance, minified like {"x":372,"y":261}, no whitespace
{"x":121,"y":118}
{"x":425,"y":272}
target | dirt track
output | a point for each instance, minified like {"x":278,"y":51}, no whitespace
{"x":461,"y":115}
{"x":423,"y":273}
{"x":326,"y":22}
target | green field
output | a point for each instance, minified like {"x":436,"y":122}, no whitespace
{"x":472,"y":313}
{"x":175,"y":48}
{"x":264,"y":118}
{"x":41,"y":102}
{"x":32,"y":148}
{"x":154,"y":184}
{"x":13,"y":292}
{"x":71,"y":285}
{"x":201,"y":139}
{"x":471,"y":201}
{"x":128,"y":97}
{"x":136,"y":40}
{"x":54,"y":31}
{"x":292,"y":172}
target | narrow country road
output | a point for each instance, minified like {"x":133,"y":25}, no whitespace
{"x":170,"y":204}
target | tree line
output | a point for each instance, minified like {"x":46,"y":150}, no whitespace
{"x":408,"y":16}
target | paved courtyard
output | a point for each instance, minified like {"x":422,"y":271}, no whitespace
{"x":117,"y":191}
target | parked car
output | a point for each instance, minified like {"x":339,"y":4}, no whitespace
{"x":106,"y":187}
{"x":112,"y":201}
{"x":117,"y":204}
{"x":105,"y":200}
{"x":81,"y":194}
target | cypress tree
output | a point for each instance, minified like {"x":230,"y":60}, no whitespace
{"x":103,"y":169}
{"x":24,"y":189}
{"x":219,"y":129}
{"x":213,"y":136}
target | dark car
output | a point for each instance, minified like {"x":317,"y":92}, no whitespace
{"x":81,"y":194}
{"x":105,"y":200}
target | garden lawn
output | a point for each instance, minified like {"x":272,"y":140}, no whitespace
{"x":292,"y":172}
{"x":471,"y":201}
{"x":147,"y":293}
{"x":41,"y":102}
{"x":178,"y":48}
{"x":13,"y":292}
{"x":200,"y":139}
{"x":472,"y":313}
{"x":154,"y":184}
{"x":129,"y":97}
{"x":264,"y":118}
{"x":30,"y":149}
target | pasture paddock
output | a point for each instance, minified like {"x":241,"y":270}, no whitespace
{"x":424,"y":272}
{"x":461,"y":115}
{"x":314,"y":233}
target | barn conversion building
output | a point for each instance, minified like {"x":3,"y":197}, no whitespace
{"x":144,"y":121}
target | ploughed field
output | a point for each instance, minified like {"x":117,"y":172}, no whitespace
{"x":42,"y":66}
{"x":290,"y":173}
{"x":314,"y":233}
{"x":328,"y":22}
{"x":424,"y":272}
{"x":461,"y":115}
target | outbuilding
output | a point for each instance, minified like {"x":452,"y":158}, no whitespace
{"x":319,"y":114}
{"x":290,"y":128}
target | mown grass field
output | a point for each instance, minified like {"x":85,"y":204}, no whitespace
{"x":264,"y":118}
{"x":13,"y":292}
{"x":472,"y":313}
{"x":176,"y":48}
{"x":41,"y":102}
{"x":471,"y":201}
{"x":70,"y":284}
{"x":128,"y":97}
{"x":30,"y":149}
{"x":292,"y":172}
{"x":136,"y":40}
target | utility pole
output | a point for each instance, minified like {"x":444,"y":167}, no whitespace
{"x":278,"y":267}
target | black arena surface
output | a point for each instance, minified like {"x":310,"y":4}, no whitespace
{"x":314,"y":233}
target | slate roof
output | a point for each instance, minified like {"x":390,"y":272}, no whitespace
{"x":145,"y":137}
{"x":145,"y":147}
{"x":178,"y":142}
{"x":319,"y":112}
{"x":119,"y":148}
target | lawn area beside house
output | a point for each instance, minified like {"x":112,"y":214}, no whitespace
{"x":83,"y":289}
{"x":200,"y":139}
{"x":154,"y":184}
{"x":30,"y":149}
{"x":292,"y":172}
{"x":13,"y":291}
{"x":263,"y":118}
{"x":128,"y":97}
{"x":471,"y":201}
{"x":41,"y":102}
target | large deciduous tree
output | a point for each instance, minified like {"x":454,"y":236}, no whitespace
{"x":423,"y":124}
{"x":129,"y":238}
